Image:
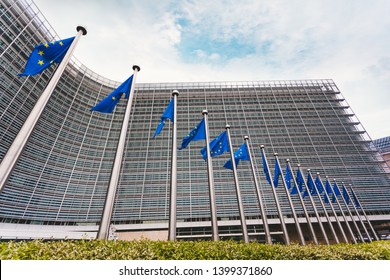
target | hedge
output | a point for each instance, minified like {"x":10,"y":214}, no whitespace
{"x":187,"y":250}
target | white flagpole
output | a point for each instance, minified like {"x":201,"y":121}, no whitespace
{"x":213,"y":204}
{"x":364,"y":213}
{"x":359,"y":216}
{"x":281,"y":218}
{"x":342,"y":213}
{"x":350,"y":214}
{"x":238,"y":192}
{"x":333,"y":211}
{"x":268,"y":238}
{"x":303,"y":205}
{"x":297,"y":224}
{"x":173,"y":188}
{"x":315,"y":209}
{"x":324,"y":208}
{"x":11,"y":157}
{"x":105,"y":222}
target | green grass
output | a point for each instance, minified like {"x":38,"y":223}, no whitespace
{"x":186,"y":250}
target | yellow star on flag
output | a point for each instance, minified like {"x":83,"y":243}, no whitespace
{"x":41,"y":53}
{"x":40,"y":62}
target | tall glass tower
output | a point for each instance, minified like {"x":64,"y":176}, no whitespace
{"x":59,"y":184}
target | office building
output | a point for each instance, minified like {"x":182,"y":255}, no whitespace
{"x":59,"y":184}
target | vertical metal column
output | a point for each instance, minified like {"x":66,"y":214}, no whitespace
{"x":357,"y":213}
{"x":105,"y":222}
{"x":313,"y":235}
{"x":11,"y":157}
{"x":323,"y":207}
{"x":173,"y":187}
{"x":282,"y":222}
{"x":342,"y":213}
{"x":315,"y":210}
{"x":364,"y":213}
{"x":297,"y":225}
{"x":334,"y":212}
{"x":350,"y":214}
{"x":238,"y":192}
{"x":268,"y":238}
{"x":213,"y":204}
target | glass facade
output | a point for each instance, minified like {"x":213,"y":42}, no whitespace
{"x":62,"y":175}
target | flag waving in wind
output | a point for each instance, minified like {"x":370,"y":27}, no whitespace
{"x":168,"y":114}
{"x":328,"y":190}
{"x":336,"y":191}
{"x":265,"y":167}
{"x":357,"y":204}
{"x":319,"y":185}
{"x":218,"y":146}
{"x":45,"y":55}
{"x":107,"y":105}
{"x":300,"y":182}
{"x":241,"y":153}
{"x":288,"y":177}
{"x":345,"y":194}
{"x":198,"y":133}
{"x":278,"y":172}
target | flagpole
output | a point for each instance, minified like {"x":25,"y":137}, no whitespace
{"x":303,"y":206}
{"x":359,"y":216}
{"x":342,"y":213}
{"x":173,"y":188}
{"x":315,"y":209}
{"x":297,"y":225}
{"x":268,"y":238}
{"x":350,"y":214}
{"x":361,"y":221}
{"x":213,"y":204}
{"x":11,"y":157}
{"x":105,"y":221}
{"x":282,"y":223}
{"x":323,"y":207}
{"x":333,"y":211}
{"x":238,"y":192}
{"x":364,"y":213}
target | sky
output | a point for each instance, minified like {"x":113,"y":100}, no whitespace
{"x":247,"y":40}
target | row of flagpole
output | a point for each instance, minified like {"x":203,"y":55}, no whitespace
{"x":223,"y":143}
{"x":45,"y":55}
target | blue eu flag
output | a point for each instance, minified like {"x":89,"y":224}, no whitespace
{"x":357,"y":204}
{"x":300,"y":182}
{"x":198,"y":133}
{"x":328,"y":190}
{"x":336,"y":191}
{"x":278,"y":172}
{"x":168,"y":114}
{"x":266,"y":169}
{"x":311,"y":184}
{"x":345,"y":194}
{"x":45,"y":55}
{"x":288,"y":177}
{"x":107,"y":105}
{"x":218,"y":146}
{"x":319,"y":185}
{"x":241,"y":153}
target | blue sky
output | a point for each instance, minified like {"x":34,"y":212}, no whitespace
{"x":202,"y":40}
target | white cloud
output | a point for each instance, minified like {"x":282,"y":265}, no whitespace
{"x":204,"y":40}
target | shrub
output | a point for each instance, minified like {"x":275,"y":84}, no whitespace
{"x":187,"y":250}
